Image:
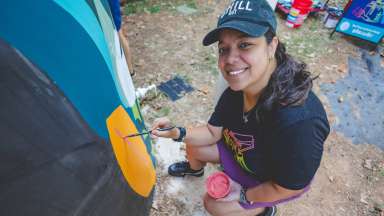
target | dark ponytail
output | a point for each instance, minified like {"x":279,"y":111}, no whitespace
{"x":289,"y":84}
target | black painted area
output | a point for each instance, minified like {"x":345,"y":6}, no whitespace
{"x":51,"y":162}
{"x":359,"y":114}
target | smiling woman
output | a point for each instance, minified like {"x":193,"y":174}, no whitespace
{"x":245,"y":62}
{"x":268,"y":128}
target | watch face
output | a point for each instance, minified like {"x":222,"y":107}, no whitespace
{"x":243,"y":199}
{"x":182,"y":134}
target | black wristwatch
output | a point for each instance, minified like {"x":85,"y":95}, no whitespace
{"x":243,"y":197}
{"x":182,"y":134}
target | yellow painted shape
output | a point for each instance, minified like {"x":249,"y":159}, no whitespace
{"x":131,"y":153}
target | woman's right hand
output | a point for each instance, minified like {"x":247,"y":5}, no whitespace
{"x":164,"y":123}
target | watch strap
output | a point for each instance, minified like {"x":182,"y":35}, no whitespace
{"x":182,"y":134}
{"x":243,"y":198}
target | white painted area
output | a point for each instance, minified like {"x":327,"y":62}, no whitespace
{"x":168,"y":151}
{"x":189,"y":190}
{"x":199,"y":213}
{"x":141,"y":92}
{"x":175,"y":185}
{"x":123,"y":74}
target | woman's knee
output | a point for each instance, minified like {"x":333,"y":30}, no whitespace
{"x":207,"y":153}
{"x":191,"y":150}
{"x":212,"y":206}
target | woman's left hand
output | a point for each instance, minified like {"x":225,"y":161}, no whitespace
{"x":234,"y":192}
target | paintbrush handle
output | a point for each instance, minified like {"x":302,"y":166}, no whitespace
{"x":150,"y":131}
{"x":165,"y":129}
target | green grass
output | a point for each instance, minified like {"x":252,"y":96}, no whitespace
{"x":191,"y":4}
{"x":135,"y":7}
{"x":155,"y":6}
{"x":211,"y":60}
{"x":186,"y":78}
{"x":308,"y":42}
{"x":164,"y":111}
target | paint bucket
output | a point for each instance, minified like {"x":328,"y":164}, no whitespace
{"x":332,"y":17}
{"x":298,"y":13}
{"x":218,"y":185}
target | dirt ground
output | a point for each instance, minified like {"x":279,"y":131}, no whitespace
{"x":167,"y":42}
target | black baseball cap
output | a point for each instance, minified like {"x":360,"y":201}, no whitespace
{"x":252,"y":17}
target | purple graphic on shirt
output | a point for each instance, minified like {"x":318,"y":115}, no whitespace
{"x":245,"y":142}
{"x":239,"y":144}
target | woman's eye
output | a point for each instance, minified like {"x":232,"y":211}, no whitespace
{"x":243,"y":45}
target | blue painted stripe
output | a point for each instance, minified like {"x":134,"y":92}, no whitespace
{"x":70,"y":51}
{"x":83,"y":14}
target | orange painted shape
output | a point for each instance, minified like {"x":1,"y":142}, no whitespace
{"x":131,"y":153}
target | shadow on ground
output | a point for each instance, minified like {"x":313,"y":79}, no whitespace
{"x":358,"y":100}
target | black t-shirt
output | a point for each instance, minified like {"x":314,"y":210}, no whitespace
{"x":285,"y":148}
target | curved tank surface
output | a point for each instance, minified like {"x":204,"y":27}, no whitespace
{"x":67,"y":104}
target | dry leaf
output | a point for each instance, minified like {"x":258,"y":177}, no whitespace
{"x":342,"y":68}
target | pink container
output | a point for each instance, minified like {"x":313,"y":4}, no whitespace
{"x":298,"y":13}
{"x":218,"y":185}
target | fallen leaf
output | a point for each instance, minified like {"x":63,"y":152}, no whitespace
{"x":368,"y":164}
{"x":363,"y":199}
{"x":343,"y":68}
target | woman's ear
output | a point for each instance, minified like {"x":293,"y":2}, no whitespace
{"x":272,"y":47}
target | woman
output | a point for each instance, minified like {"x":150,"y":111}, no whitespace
{"x":268,"y":128}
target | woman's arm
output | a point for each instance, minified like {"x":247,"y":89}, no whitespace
{"x":270,"y":192}
{"x":202,"y":135}
{"x":267,"y":192}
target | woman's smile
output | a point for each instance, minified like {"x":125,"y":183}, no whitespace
{"x":236,"y":72}
{"x":243,"y":61}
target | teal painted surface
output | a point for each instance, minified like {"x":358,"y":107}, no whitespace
{"x":65,"y":40}
{"x":72,"y":52}
{"x":104,"y":43}
{"x":84,"y":15}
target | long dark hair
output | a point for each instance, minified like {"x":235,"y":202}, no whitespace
{"x":289,"y":84}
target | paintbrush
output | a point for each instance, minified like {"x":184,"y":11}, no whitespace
{"x":145,"y":132}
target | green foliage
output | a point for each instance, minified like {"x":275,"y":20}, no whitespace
{"x":155,"y":6}
{"x":211,"y":60}
{"x":191,"y":4}
{"x":185,"y":77}
{"x":154,"y":9}
{"x":382,"y":172}
{"x":309,"y":41}
{"x":164,"y":111}
{"x":135,"y":7}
